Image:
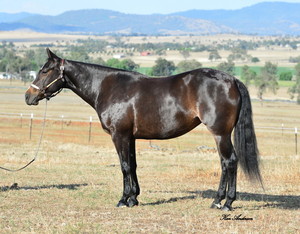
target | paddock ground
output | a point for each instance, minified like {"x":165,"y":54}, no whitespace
{"x":74,"y":184}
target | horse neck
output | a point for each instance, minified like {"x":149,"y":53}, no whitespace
{"x":85,"y":80}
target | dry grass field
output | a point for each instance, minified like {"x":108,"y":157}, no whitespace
{"x":275,"y":54}
{"x":74,"y":184}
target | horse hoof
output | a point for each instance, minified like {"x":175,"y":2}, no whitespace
{"x":216,"y":205}
{"x":226,"y":208}
{"x":132,"y":202}
{"x":122,"y":204}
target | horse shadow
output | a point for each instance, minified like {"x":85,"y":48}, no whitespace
{"x":291,"y":202}
{"x":57,"y":186}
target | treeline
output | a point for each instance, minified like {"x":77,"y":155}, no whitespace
{"x":96,"y":45}
{"x":117,"y":44}
{"x":266,"y":79}
{"x":20,"y":63}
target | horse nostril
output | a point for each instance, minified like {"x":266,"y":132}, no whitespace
{"x":27,"y":97}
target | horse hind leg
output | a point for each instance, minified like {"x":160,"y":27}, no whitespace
{"x":229,"y":173}
{"x":221,"y":194}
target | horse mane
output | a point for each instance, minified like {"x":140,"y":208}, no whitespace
{"x":105,"y":68}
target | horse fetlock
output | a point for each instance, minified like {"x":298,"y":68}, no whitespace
{"x":132,"y":201}
{"x":216,"y":205}
{"x":122,"y":203}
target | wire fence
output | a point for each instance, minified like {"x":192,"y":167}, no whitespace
{"x":27,"y":120}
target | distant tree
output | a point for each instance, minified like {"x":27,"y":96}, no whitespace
{"x":119,"y":41}
{"x":214,"y":55}
{"x":163,"y":67}
{"x":248,"y":75}
{"x":25,"y":77}
{"x":294,"y":59}
{"x":113,"y":62}
{"x":7,"y":59}
{"x":227,"y":67}
{"x":160,"y":52}
{"x":41,"y":56}
{"x":295,"y":90}
{"x":6,"y":44}
{"x":79,"y":53}
{"x":129,"y":65}
{"x":22,"y":65}
{"x":185,"y":53}
{"x":238,"y":54}
{"x":286,"y":76}
{"x":255,"y":60}
{"x":188,"y":65}
{"x":30,"y":59}
{"x":126,"y":64}
{"x":99,"y":61}
{"x":267,"y":80}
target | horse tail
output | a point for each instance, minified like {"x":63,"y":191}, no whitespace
{"x":245,"y":143}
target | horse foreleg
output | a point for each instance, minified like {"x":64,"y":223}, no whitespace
{"x":135,"y":189}
{"x":125,"y":147}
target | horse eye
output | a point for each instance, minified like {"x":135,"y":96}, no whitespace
{"x":44,"y":71}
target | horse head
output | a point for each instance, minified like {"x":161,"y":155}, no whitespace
{"x":49,"y":81}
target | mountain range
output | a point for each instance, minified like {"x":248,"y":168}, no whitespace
{"x":268,"y":18}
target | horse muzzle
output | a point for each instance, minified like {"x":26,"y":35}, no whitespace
{"x":32,"y":96}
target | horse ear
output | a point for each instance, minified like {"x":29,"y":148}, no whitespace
{"x":51,"y":55}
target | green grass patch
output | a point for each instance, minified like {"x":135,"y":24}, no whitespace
{"x":144,"y":70}
{"x":257,"y":69}
{"x":238,"y":73}
{"x":285,"y":83}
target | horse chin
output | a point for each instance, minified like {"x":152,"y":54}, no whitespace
{"x":32,"y":100}
{"x":33,"y":103}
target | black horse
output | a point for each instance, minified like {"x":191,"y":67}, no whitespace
{"x":133,"y":106}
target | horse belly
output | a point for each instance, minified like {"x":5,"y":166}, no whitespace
{"x":165,"y":128}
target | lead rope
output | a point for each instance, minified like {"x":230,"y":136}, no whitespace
{"x":37,"y":149}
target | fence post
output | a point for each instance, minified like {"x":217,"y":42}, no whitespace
{"x":31,"y":120}
{"x":282,"y":129}
{"x":90,"y":129}
{"x":62,"y":122}
{"x":296,"y":144}
{"x":21,"y":115}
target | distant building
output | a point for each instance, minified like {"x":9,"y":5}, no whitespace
{"x":5,"y":76}
{"x":145,"y":53}
{"x":32,"y":74}
{"x":118,"y":56}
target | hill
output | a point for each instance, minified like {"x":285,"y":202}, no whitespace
{"x":270,"y":18}
{"x":98,"y":21}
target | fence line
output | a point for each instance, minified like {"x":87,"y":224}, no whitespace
{"x":64,"y":118}
{"x":90,"y":119}
{"x":280,"y":129}
{"x":49,"y":117}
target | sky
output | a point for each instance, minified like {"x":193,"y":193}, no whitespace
{"x":56,"y":7}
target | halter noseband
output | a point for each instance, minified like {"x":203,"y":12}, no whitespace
{"x":61,"y":77}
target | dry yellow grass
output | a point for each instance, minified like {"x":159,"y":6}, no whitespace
{"x":74,"y":188}
{"x":74,"y":185}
